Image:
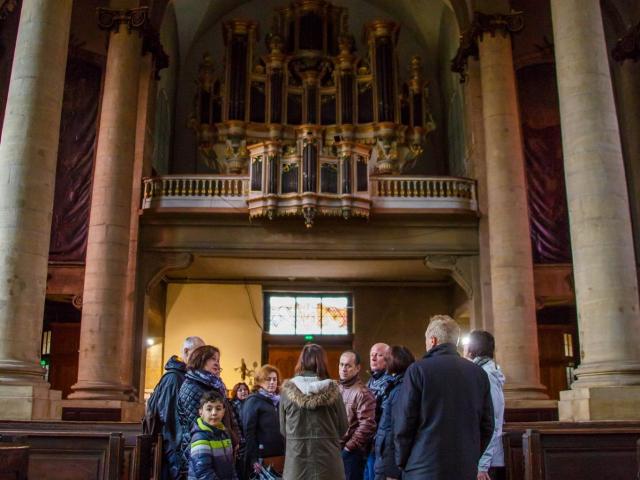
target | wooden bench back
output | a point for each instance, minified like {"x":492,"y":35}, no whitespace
{"x":520,"y":463}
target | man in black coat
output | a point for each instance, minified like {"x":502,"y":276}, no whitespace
{"x":443,"y":419}
{"x":163,"y":403}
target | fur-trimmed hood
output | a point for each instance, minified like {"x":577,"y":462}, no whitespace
{"x":311,"y":392}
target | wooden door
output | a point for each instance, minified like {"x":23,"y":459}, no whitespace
{"x":285,"y":358}
{"x":63,"y":367}
{"x":557,"y":357}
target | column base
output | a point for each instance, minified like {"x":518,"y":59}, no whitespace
{"x":30,"y":402}
{"x":525,"y":392}
{"x":599,"y":403}
{"x":530,"y":410}
{"x":102,"y":410}
{"x":101,"y":391}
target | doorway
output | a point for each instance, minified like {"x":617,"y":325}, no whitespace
{"x":285,"y":357}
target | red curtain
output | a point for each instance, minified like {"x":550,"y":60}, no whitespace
{"x":547,"y":198}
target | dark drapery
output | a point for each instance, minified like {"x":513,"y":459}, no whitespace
{"x":547,"y":198}
{"x":76,"y":150}
{"x":8,"y":35}
{"x":548,"y":213}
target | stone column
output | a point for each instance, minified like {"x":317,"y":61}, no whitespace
{"x":511,"y":265}
{"x":475,"y":140}
{"x":28,"y":156}
{"x":608,"y":379}
{"x":105,"y":286}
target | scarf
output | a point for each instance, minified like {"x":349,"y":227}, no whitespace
{"x":209,"y":380}
{"x":273,"y":397}
{"x":480,"y":361}
{"x":378,"y":383}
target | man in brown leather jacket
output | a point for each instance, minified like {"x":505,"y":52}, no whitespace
{"x":361,"y":414}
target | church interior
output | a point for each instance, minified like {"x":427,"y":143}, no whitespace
{"x":267,"y":173}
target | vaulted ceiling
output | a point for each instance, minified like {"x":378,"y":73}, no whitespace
{"x":423,"y":17}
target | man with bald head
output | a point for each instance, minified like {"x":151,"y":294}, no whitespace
{"x":162,"y":407}
{"x":378,"y":383}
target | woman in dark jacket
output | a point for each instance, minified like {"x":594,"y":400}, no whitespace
{"x":398,"y":360}
{"x":239,"y":394}
{"x":261,"y":423}
{"x":203,"y":372}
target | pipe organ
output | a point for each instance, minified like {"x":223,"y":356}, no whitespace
{"x":311,"y":118}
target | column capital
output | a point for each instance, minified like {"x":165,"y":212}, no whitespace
{"x":483,"y":23}
{"x":135,"y":19}
{"x":628,"y":47}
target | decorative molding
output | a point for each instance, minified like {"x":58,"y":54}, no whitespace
{"x":76,"y":301}
{"x":7,"y":7}
{"x":458,"y":269}
{"x":135,"y":19}
{"x":628,"y":47}
{"x":151,"y":44}
{"x":482,"y":23}
{"x":468,"y":48}
{"x":174,"y":261}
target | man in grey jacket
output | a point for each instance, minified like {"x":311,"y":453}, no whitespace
{"x":480,"y":350}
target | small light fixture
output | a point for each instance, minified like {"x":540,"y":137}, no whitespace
{"x":465,"y":340}
{"x":150,"y":342}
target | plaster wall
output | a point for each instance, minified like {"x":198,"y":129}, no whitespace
{"x":397,"y":316}
{"x":223,"y":315}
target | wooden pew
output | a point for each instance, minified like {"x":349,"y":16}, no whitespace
{"x":513,"y":433}
{"x":567,"y":453}
{"x":73,"y":455}
{"x":147,"y":463}
{"x":14,"y":461}
{"x":50,"y":431}
{"x":638,"y":458}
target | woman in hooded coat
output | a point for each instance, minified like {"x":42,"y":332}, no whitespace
{"x":313,"y":419}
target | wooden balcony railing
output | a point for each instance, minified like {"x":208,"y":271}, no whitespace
{"x":386,"y":194}
{"x":423,"y":193}
{"x":196,"y":191}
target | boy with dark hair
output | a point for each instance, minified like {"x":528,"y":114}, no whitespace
{"x":211,"y":450}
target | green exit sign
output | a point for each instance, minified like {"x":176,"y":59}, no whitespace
{"x":308,"y":337}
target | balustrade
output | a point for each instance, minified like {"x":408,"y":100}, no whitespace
{"x":385,"y":194}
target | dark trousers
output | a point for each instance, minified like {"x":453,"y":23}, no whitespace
{"x":353,"y":465}
{"x":498,"y":473}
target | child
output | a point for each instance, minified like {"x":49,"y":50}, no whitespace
{"x":211,"y":450}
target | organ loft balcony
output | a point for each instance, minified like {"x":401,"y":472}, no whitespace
{"x":310,"y":124}
{"x":376,"y":195}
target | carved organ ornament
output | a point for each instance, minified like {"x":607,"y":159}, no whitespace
{"x":311,"y":119}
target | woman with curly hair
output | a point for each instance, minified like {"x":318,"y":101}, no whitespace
{"x":239,"y":394}
{"x":260,"y":421}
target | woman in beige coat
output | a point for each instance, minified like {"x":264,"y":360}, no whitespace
{"x":313,"y":419}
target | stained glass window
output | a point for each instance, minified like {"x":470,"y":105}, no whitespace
{"x":290,"y":314}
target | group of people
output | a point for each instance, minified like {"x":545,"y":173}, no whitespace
{"x":439,"y":417}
